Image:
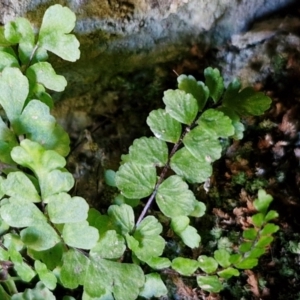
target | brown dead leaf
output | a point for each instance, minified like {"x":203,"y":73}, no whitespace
{"x":239,"y":165}
{"x":246,"y":222}
{"x":219,"y":213}
{"x":227,"y":175}
{"x":213,"y":296}
{"x":238,"y":211}
{"x":279,"y":150}
{"x":225,"y":218}
{"x":249,"y":221}
{"x":253,"y":282}
{"x":183,"y":291}
{"x":278,"y":108}
{"x":244,"y":197}
{"x":289,"y":125}
{"x":297,"y":152}
{"x":258,"y":86}
{"x":240,"y":218}
{"x":231,"y":150}
{"x":266,"y":142}
{"x":250,"y":206}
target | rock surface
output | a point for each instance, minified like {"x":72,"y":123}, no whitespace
{"x":127,"y":43}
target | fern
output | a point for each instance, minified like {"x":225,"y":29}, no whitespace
{"x":50,"y":238}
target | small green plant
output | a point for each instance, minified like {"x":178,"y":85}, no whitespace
{"x":49,"y":238}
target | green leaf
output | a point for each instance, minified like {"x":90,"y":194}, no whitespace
{"x":196,"y":88}
{"x":135,"y":180}
{"x":49,"y":160}
{"x":239,"y":128}
{"x":222,"y":256}
{"x":43,"y":73}
{"x":163,"y":126}
{"x":199,"y":209}
{"x":203,"y":144}
{"x":47,"y":277}
{"x":3,"y":294}
{"x":215,"y":120}
{"x":2,"y":193}
{"x":73,"y":270}
{"x":110,"y":246}
{"x":43,"y":163}
{"x":235,"y":258}
{"x":153,"y":287}
{"x":210,"y":283}
{"x":159,"y":263}
{"x":51,"y":257}
{"x":190,"y":237}
{"x":18,"y":30}
{"x":80,"y":235}
{"x":184,"y":164}
{"x":232,"y":90}
{"x":14,"y":89}
{"x":269,"y":229}
{"x":247,"y":263}
{"x":3,"y":41}
{"x":258,"y":220}
{"x":149,"y":151}
{"x":228,"y":273}
{"x":102,"y":222}
{"x":18,"y":185}
{"x":248,"y":102}
{"x":24,"y":271}
{"x":39,"y":237}
{"x":40,"y":292}
{"x":180,"y":223}
{"x":207,"y":264}
{"x":7,"y":142}
{"x":214,"y":82}
{"x":21,"y":32}
{"x":54,"y":182}
{"x":245,"y":247}
{"x":263,"y":201}
{"x":38,"y":92}
{"x":120,"y":199}
{"x":13,"y":241}
{"x":250,"y":234}
{"x":256,"y":252}
{"x":184,"y":266}
{"x":293,"y":247}
{"x":109,"y":177}
{"x":57,"y":22}
{"x":62,"y":208}
{"x":107,"y":296}
{"x":40,"y":55}
{"x":264,"y":241}
{"x":174,"y":197}
{"x":123,"y":280}
{"x":146,"y":241}
{"x":14,"y":254}
{"x":7,"y":59}
{"x":181,"y":106}
{"x":4,"y":255}
{"x":40,"y":126}
{"x":272,"y":214}
{"x":123,"y":217}
{"x":17,"y":213}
